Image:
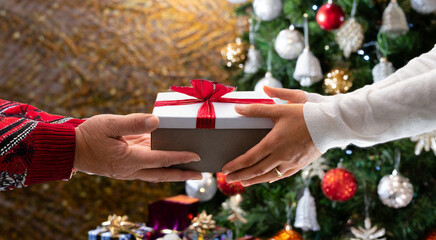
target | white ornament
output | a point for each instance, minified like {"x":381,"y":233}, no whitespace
{"x":203,"y":189}
{"x":423,"y":6}
{"x":233,"y":205}
{"x":395,"y":190}
{"x":382,"y":70}
{"x":350,"y":36}
{"x":308,"y":69}
{"x":236,"y":1}
{"x":289,"y":43}
{"x":425,"y":141}
{"x":254,"y":60}
{"x":315,"y":168}
{"x":171,"y":236}
{"x":305,"y":215}
{"x":394,"y":20}
{"x":269,"y":81}
{"x":267,"y":10}
{"x":369,"y":232}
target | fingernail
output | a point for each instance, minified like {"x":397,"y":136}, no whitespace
{"x":229,"y":180}
{"x":196,"y":159}
{"x":240,"y":107}
{"x":151,"y":122}
{"x":245,"y":184}
{"x":199,"y":177}
{"x":225,"y":171}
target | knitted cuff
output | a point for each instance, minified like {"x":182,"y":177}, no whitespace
{"x":52,"y":154}
{"x":74,"y":122}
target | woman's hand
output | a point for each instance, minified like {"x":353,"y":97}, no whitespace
{"x":288,"y":147}
{"x":119,"y":147}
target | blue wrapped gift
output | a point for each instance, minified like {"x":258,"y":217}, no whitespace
{"x":104,"y":234}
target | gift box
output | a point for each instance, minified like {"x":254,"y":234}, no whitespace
{"x":174,"y":213}
{"x":203,"y":228}
{"x":118,"y":228}
{"x":103,"y":234}
{"x":202,"y":119}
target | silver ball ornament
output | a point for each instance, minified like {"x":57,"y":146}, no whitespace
{"x":382,"y":70}
{"x":254,"y":60}
{"x":289,"y":43}
{"x":308,"y":69}
{"x":269,"y":81}
{"x":394,"y":20}
{"x":203,"y":189}
{"x":395,"y":190}
{"x":423,"y":6}
{"x":267,"y":10}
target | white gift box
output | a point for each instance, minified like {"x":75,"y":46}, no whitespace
{"x":233,"y":134}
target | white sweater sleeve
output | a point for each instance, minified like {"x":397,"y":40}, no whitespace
{"x":400,"y":106}
{"x":416,"y":66}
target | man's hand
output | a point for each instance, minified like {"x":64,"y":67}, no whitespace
{"x":119,"y":147}
{"x":288,"y":147}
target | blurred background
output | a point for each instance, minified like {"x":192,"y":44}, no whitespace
{"x":85,"y":57}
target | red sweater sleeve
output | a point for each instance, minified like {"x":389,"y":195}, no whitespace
{"x":35,"y":146}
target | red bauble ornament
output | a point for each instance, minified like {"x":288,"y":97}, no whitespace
{"x":339,"y":184}
{"x":330,"y":16}
{"x":228,"y":188}
{"x":431,"y":235}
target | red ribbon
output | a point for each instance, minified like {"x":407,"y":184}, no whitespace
{"x":207,"y":92}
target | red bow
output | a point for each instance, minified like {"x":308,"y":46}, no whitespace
{"x":207,"y":92}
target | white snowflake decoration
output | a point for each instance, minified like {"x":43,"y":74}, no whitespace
{"x":368,"y":233}
{"x":233,"y":206}
{"x":315,"y":168}
{"x":425,"y":141}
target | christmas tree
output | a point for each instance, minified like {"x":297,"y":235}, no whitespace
{"x":356,"y":43}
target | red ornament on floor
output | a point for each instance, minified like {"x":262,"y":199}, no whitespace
{"x":330,"y":16}
{"x":226,"y":188}
{"x":431,"y":235}
{"x":339,"y":185}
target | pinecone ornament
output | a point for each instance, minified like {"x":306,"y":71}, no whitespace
{"x":350,"y":36}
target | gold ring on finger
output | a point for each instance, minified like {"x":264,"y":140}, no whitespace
{"x":277,"y":172}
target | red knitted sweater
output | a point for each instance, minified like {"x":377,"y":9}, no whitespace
{"x":35,"y":146}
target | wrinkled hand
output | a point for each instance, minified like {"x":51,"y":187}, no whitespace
{"x":287,"y":147}
{"x":119,"y":147}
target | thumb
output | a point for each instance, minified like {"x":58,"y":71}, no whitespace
{"x":132,"y":124}
{"x":292,"y":96}
{"x":258,"y":110}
